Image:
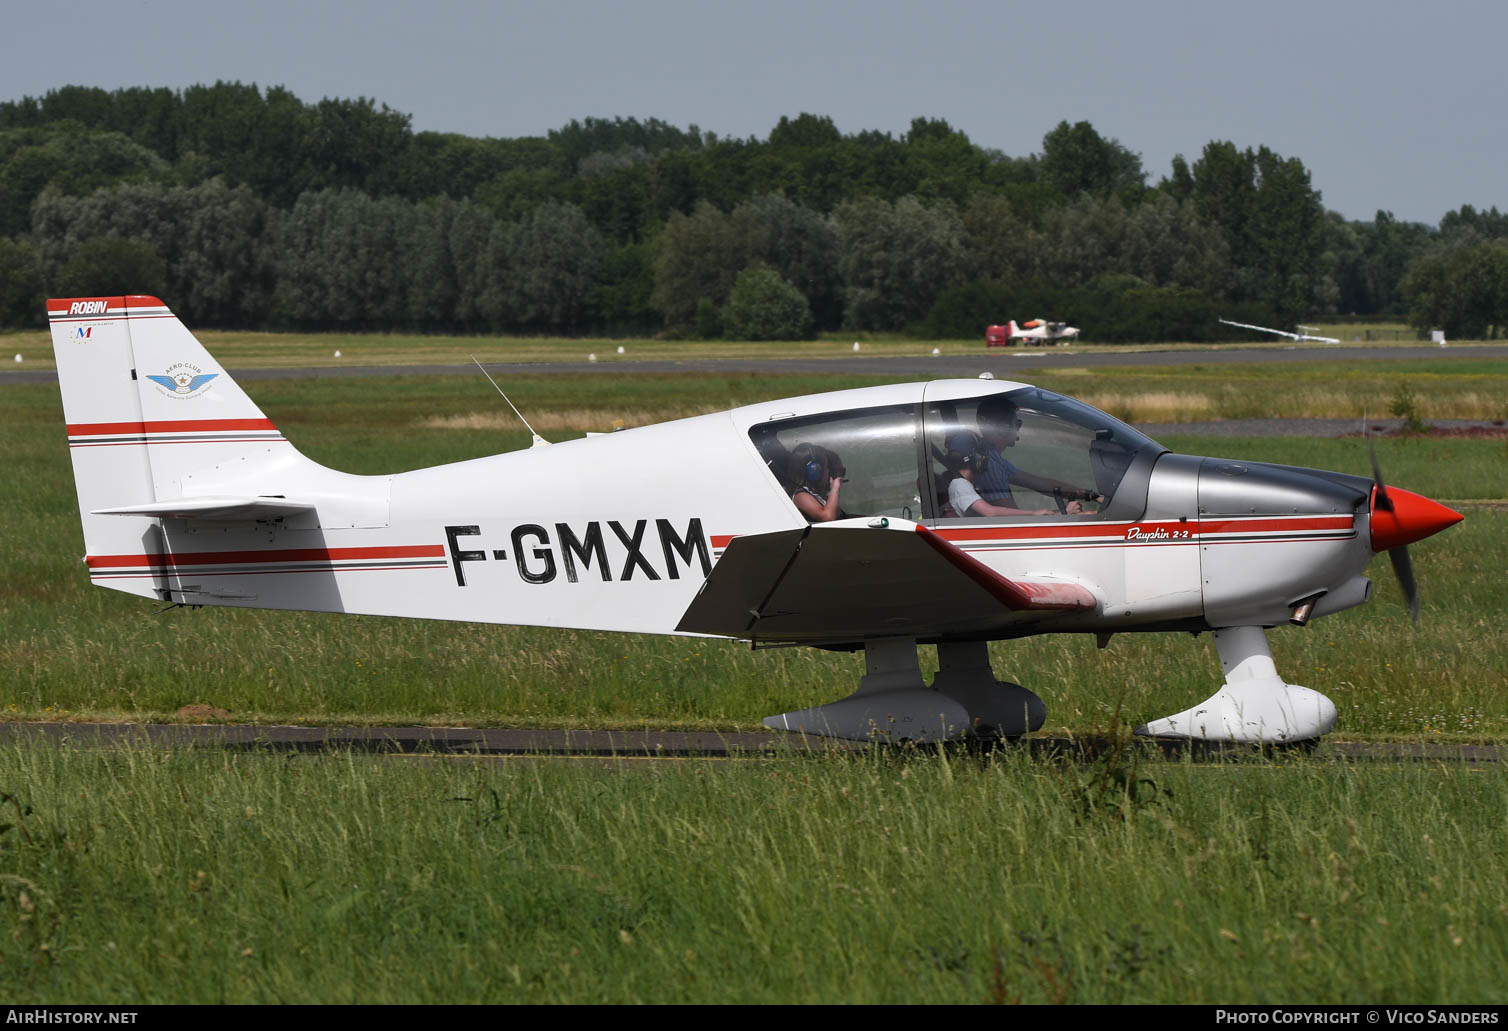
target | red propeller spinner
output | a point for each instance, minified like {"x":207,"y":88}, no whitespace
{"x":1401,"y":517}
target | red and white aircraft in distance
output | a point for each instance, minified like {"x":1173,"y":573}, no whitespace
{"x":1284,"y":332}
{"x":1041,"y":331}
{"x":189,"y":494}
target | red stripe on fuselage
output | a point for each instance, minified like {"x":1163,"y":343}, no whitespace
{"x":1258,"y":524}
{"x":208,"y":558}
{"x":1059,"y":531}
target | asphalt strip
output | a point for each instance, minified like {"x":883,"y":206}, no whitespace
{"x":918,"y":367}
{"x":635,"y":746}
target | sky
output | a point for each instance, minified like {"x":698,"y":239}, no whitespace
{"x":1390,"y":104}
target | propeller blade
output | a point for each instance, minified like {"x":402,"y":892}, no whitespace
{"x":1403,"y":566}
{"x":1383,"y":501}
{"x":1403,"y":569}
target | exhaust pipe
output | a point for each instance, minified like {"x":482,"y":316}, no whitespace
{"x":1304,"y":609}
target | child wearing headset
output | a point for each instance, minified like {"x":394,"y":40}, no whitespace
{"x":968,"y":458}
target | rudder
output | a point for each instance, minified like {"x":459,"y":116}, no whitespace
{"x":147,"y":408}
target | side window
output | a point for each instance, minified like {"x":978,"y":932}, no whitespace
{"x":846,"y":464}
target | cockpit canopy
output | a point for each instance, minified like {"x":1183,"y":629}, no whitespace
{"x":1033,"y":450}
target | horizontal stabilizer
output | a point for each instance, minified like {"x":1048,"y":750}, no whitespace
{"x":214,"y":509}
{"x":852,"y":581}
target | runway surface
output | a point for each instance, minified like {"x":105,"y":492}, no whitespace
{"x":1012,"y":364}
{"x":624,"y":745}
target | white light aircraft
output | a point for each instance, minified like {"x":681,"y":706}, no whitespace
{"x":189,"y":494}
{"x":1284,"y":332}
{"x":1042,"y":331}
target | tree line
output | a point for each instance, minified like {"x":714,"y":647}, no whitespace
{"x":245,"y":207}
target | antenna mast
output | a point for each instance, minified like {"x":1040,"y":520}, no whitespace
{"x":538,"y":440}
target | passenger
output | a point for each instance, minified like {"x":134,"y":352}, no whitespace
{"x":1000,"y":427}
{"x":967,"y":460}
{"x":815,"y":479}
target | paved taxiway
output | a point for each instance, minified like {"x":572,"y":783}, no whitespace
{"x":624,"y":745}
{"x":1011,"y":364}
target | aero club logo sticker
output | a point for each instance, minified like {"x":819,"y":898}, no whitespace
{"x":183,"y":381}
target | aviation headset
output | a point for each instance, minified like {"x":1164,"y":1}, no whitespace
{"x":812,"y":464}
{"x":966,"y":450}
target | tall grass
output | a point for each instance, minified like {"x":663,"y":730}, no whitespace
{"x":142,"y":876}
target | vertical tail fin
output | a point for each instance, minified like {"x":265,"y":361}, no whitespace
{"x":133,"y":377}
{"x":147,"y":410}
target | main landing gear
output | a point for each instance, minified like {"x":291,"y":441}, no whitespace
{"x":964,"y":700}
{"x":893,"y":704}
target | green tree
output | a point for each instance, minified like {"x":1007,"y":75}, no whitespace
{"x":336,"y":257}
{"x":800,"y":245}
{"x":621,"y":299}
{"x":70,"y":161}
{"x":554,"y":260}
{"x":268,"y":142}
{"x":998,"y":244}
{"x":1291,"y":218}
{"x":222,"y":272}
{"x":896,"y":259}
{"x":1388,"y":248}
{"x":358,"y":144}
{"x":111,"y":265}
{"x":211,"y":238}
{"x":476,"y":241}
{"x":1462,"y":290}
{"x":1468,"y":225}
{"x":1169,"y":244}
{"x":1180,"y":183}
{"x":614,"y":194}
{"x":805,"y":132}
{"x":763,"y":306}
{"x":1083,"y":240}
{"x":433,"y":277}
{"x":22,"y":300}
{"x":697,"y":255}
{"x":947,"y":166}
{"x":1076,"y":159}
{"x":579,"y":139}
{"x":1272,"y":220}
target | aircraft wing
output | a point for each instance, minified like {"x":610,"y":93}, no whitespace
{"x":1261,"y":329}
{"x":1283,"y":332}
{"x":838,"y":583}
{"x":213,"y":509}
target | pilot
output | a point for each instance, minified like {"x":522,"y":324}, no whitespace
{"x":815,"y":478}
{"x":1000,"y":427}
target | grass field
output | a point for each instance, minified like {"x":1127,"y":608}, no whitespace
{"x":204,"y":877}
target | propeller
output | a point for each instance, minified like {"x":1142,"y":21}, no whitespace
{"x":1403,"y":566}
